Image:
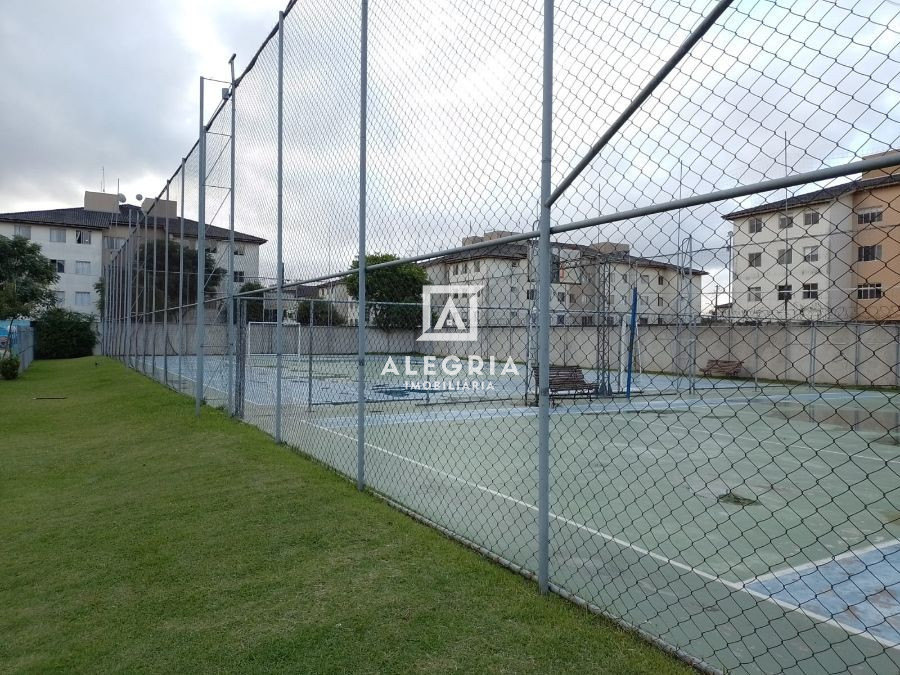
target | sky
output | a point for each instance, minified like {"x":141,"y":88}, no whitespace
{"x":454,"y":113}
{"x":110,"y":84}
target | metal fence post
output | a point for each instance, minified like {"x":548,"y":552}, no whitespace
{"x":104,"y":311}
{"x":153,"y":335}
{"x":856,"y":355}
{"x":544,"y":310}
{"x":312,"y":319}
{"x":812,"y":354}
{"x":897,"y":356}
{"x":166,"y":292}
{"x":144,"y":297}
{"x":128,"y":293}
{"x":279,"y":294}
{"x":240,"y":374}
{"x":181,"y":345}
{"x":756,"y":355}
{"x":361,"y":316}
{"x":201,"y":260}
{"x":230,"y":310}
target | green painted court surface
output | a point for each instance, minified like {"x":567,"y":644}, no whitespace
{"x":743,"y":523}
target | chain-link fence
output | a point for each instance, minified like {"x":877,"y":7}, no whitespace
{"x":606,"y":291}
{"x":18,"y":341}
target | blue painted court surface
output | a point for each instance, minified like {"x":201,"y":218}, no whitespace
{"x":860,"y":590}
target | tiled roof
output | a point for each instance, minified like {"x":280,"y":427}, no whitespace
{"x":520,"y":252}
{"x":94,"y":220}
{"x":816,"y":197}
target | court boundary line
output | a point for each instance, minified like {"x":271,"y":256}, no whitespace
{"x":815,"y":564}
{"x":735,"y":586}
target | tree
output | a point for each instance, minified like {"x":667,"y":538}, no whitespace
{"x":156,"y":276}
{"x":254,"y":307}
{"x":25,"y":280}
{"x":400,"y":284}
{"x":325,"y":313}
{"x":61,"y":334}
{"x":100,"y":289}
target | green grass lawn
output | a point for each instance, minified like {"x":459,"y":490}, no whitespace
{"x":134,"y":536}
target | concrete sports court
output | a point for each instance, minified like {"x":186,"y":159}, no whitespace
{"x":767,"y":513}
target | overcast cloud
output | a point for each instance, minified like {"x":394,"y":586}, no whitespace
{"x":454,"y":112}
{"x":99,"y":83}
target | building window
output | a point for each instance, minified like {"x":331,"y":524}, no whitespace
{"x":238,"y":249}
{"x":238,"y":276}
{"x":868,"y":291}
{"x":59,"y":266}
{"x":22,"y":231}
{"x":754,"y":225}
{"x":82,"y":299}
{"x":82,"y":267}
{"x":866,"y":253}
{"x":659,"y":301}
{"x":810,"y":291}
{"x":560,"y":320}
{"x":660,"y":281}
{"x":870,"y":217}
{"x":785,"y":222}
{"x":82,"y":237}
{"x":784,"y":292}
{"x":477,"y":265}
{"x":754,"y":294}
{"x":810,"y":254}
{"x":754,"y":260}
{"x":58,"y":235}
{"x":571,"y":298}
{"x":587,"y":321}
{"x":60,"y":297}
{"x":785,"y":256}
{"x":811,"y":218}
{"x":645,"y":278}
{"x":465,"y":267}
{"x":529,"y":294}
{"x":561,"y":297}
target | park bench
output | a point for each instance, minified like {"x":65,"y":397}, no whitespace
{"x":568,"y":382}
{"x":723,"y":367}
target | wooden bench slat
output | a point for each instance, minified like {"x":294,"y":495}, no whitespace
{"x":568,"y":380}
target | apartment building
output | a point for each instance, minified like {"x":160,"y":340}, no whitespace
{"x":591,"y":283}
{"x":831,"y":254}
{"x":82,"y":240}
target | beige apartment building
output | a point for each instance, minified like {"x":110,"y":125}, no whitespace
{"x":831,"y":254}
{"x":876,"y":270}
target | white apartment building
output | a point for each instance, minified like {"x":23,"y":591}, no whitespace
{"x":591,"y":284}
{"x":81,"y":240}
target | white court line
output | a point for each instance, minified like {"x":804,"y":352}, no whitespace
{"x":735,"y":586}
{"x":799,"y":569}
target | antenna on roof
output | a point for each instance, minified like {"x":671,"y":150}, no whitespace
{"x":102,"y":179}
